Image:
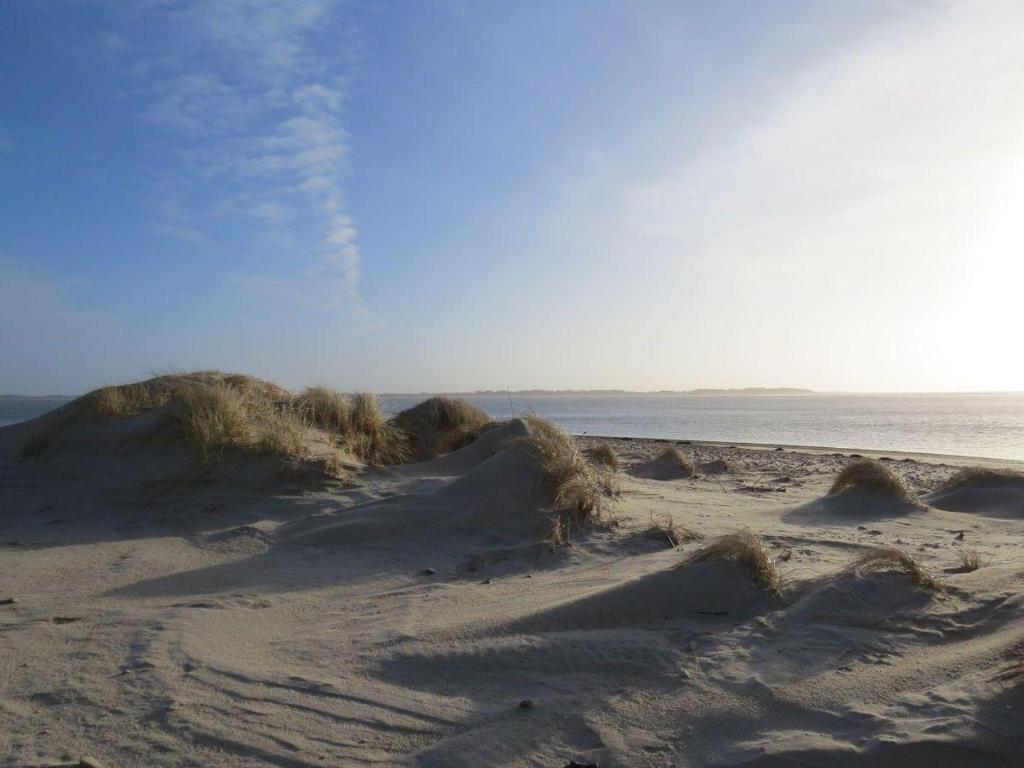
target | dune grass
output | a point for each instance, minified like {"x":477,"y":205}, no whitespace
{"x":892,"y":560}
{"x":748,"y":552}
{"x":975,"y":476}
{"x":439,"y":425}
{"x":356,"y":420}
{"x":579,"y":490}
{"x":970,"y":560}
{"x":664,"y":528}
{"x":603,"y":455}
{"x":373,"y":437}
{"x":873,"y":477}
{"x":120,"y":402}
{"x":325,"y":408}
{"x":210,"y":419}
{"x":674,"y":457}
{"x":126,"y":400}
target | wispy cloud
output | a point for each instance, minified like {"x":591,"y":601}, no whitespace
{"x":6,"y":145}
{"x":254,"y":109}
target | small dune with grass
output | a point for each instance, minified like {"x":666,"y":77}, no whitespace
{"x":440,"y":425}
{"x":603,"y":455}
{"x":994,"y":491}
{"x":747,"y":551}
{"x":536,"y":487}
{"x":863,"y":490}
{"x":218,"y":417}
{"x":870,"y":476}
{"x":669,"y":464}
{"x":893,"y":561}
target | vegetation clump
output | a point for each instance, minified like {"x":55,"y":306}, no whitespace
{"x":439,"y":425}
{"x":357,"y":421}
{"x":970,"y":560}
{"x":373,"y":437}
{"x":325,"y":408}
{"x":579,"y":490}
{"x":979,"y":476}
{"x":893,"y":560}
{"x":748,"y":552}
{"x":674,"y":457}
{"x":873,"y":477}
{"x":603,"y":455}
{"x":665,"y":528}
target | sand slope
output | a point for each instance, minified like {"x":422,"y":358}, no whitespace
{"x":400,"y":617}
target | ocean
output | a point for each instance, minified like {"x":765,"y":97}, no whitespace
{"x":984,"y":425}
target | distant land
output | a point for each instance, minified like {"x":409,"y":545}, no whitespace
{"x":36,"y":397}
{"x":577,"y":392}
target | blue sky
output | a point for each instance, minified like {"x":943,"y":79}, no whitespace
{"x":459,"y":195}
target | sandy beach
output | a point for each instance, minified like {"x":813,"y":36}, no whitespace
{"x":417,"y":614}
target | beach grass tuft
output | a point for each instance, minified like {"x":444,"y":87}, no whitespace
{"x":439,"y":425}
{"x":978,"y":476}
{"x":893,"y":560}
{"x":603,"y":455}
{"x":873,"y":477}
{"x":579,"y":490}
{"x":746,"y":550}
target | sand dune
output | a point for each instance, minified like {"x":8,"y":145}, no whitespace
{"x":178,"y":612}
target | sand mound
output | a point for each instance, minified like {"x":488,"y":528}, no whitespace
{"x":670,"y":464}
{"x":489,"y":443}
{"x":603,"y":455}
{"x":870,"y":476}
{"x":714,"y":467}
{"x":181,"y":426}
{"x":536,"y":486}
{"x":860,"y":598}
{"x":441,"y":425}
{"x":502,"y":498}
{"x":997,"y":493}
{"x":708,"y":588}
{"x":864,"y":490}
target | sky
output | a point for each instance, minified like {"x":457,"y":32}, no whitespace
{"x":461,"y":195}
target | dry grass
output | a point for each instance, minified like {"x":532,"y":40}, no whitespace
{"x":325,"y":408}
{"x":892,"y":560}
{"x":249,"y":386}
{"x":578,"y":490}
{"x":674,"y":457}
{"x":970,"y":560}
{"x":869,"y":475}
{"x":125,"y":400}
{"x":283,"y":433}
{"x":210,"y":418}
{"x":212,"y":411}
{"x":441,"y":424}
{"x":969,"y":476}
{"x":748,"y":552}
{"x":603,"y":455}
{"x":373,"y":437}
{"x":357,"y":420}
{"x":664,"y":528}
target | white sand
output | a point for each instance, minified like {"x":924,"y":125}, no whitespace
{"x":230,"y":623}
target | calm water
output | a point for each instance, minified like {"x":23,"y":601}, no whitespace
{"x":969,"y":425}
{"x":989,"y":425}
{"x":15,"y":409}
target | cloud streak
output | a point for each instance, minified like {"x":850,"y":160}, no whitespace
{"x":254,"y":112}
